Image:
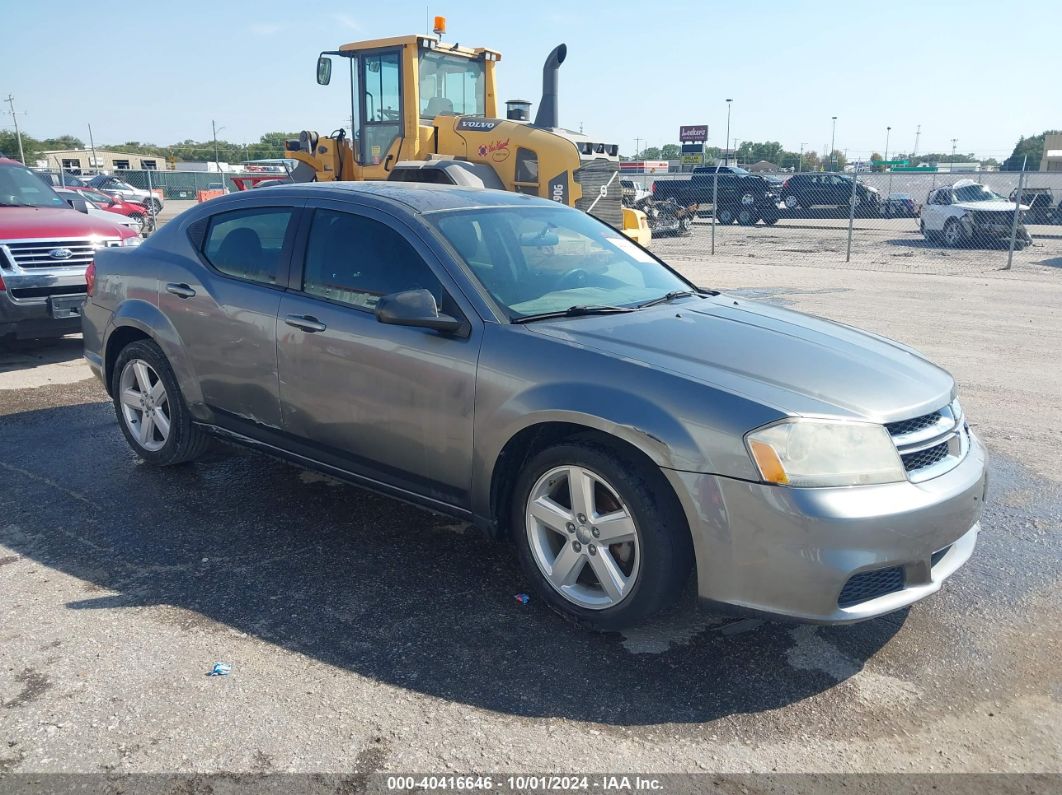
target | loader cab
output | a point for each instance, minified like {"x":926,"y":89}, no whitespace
{"x":399,"y":86}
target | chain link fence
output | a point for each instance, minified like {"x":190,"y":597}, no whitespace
{"x":922,"y":221}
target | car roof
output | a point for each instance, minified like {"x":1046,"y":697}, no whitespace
{"x":420,"y":197}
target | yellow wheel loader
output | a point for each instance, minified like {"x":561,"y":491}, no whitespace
{"x":425,"y":111}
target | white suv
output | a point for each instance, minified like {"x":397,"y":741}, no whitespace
{"x":967,"y":212}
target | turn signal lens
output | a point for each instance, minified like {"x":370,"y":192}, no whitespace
{"x":2,"y":285}
{"x":90,"y":278}
{"x":767,"y":460}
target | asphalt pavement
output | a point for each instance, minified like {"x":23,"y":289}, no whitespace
{"x":368,"y":637}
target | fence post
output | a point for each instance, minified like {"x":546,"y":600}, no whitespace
{"x":1017,"y":212}
{"x":851,"y":212}
{"x":715,"y":201}
{"x":151,"y":201}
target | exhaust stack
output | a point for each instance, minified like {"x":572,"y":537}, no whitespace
{"x":547,"y":108}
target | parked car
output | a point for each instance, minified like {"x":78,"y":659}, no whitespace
{"x":90,"y":208}
{"x":899,"y":205}
{"x":633,"y":191}
{"x":62,"y":179}
{"x":969,"y":213}
{"x":45,"y":246}
{"x":117,"y":187}
{"x":742,"y":196}
{"x":824,"y":189}
{"x":116,"y":204}
{"x":1041,"y":204}
{"x":526,"y":367}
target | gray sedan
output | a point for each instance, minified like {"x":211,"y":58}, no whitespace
{"x":523,"y":366}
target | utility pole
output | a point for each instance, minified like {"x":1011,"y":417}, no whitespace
{"x":726,"y":154}
{"x":800,"y":162}
{"x":92,"y":146}
{"x":217,"y":158}
{"x":18,"y":133}
{"x":954,"y":141}
{"x":637,"y":147}
{"x":918,"y":134}
{"x":833,"y":137}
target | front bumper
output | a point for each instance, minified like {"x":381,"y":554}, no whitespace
{"x":790,"y":551}
{"x":31,"y":317}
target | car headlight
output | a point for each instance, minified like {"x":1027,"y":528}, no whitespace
{"x":804,"y":452}
{"x":135,"y":240}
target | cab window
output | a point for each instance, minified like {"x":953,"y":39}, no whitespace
{"x":249,"y":244}
{"x":450,"y":85}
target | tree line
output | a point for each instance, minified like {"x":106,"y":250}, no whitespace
{"x":1029,"y":150}
{"x":270,"y":145}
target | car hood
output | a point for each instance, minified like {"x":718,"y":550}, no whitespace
{"x":792,"y":362}
{"x":18,"y":223}
{"x":988,"y":206}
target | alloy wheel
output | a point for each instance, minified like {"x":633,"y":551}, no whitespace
{"x":145,"y":405}
{"x":582,"y":537}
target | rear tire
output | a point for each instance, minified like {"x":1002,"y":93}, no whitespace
{"x":150,"y":408}
{"x":791,"y":202}
{"x":562,"y":551}
{"x":747,"y":216}
{"x":726,"y":216}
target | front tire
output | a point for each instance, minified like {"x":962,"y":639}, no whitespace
{"x":726,"y":216}
{"x":151,"y":410}
{"x":791,"y":202}
{"x":600,"y":535}
{"x":747,"y":216}
{"x":954,"y":234}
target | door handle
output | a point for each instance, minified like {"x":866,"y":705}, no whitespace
{"x":180,"y":290}
{"x":305,"y":322}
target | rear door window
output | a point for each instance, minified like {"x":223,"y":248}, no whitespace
{"x":249,"y":244}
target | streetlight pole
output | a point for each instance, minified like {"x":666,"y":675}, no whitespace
{"x":18,"y":133}
{"x":887,"y":131}
{"x":726,"y":153}
{"x":800,"y":162}
{"x":637,"y":146}
{"x":833,"y":136}
{"x":92,"y":144}
{"x":217,"y":158}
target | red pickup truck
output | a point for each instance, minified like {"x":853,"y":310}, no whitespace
{"x":45,"y":247}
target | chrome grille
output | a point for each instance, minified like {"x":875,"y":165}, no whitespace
{"x":38,"y":253}
{"x":930,"y":444}
{"x":904,"y":427}
{"x":912,"y":462}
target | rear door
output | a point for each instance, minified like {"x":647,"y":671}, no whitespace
{"x":392,"y":403}
{"x":224,"y":308}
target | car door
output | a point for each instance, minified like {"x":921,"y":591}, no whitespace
{"x":391,"y":403}
{"x":937,"y":209}
{"x":223,"y":305}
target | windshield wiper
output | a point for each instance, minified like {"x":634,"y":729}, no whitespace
{"x":576,"y":311}
{"x":672,"y":296}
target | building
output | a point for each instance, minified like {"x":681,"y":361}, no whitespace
{"x":80,"y":161}
{"x":1052,"y":160}
{"x":763,"y":167}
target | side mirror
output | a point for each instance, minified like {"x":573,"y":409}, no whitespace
{"x":79,"y":204}
{"x":417,"y":308}
{"x":324,"y":70}
{"x":545,"y":238}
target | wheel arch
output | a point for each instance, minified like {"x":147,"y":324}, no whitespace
{"x":135,"y":320}
{"x":545,"y":433}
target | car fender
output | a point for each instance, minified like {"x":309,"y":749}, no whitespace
{"x":621,"y":414}
{"x":147,"y":317}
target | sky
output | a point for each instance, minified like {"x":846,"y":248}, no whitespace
{"x":982,"y":72}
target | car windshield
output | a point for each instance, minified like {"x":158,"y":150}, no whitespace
{"x":20,"y":187}
{"x":98,"y":198}
{"x":975,"y":193}
{"x":539,"y":260}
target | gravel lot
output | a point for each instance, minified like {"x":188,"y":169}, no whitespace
{"x":366,"y":636}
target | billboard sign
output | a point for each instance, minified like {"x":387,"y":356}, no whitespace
{"x":693,"y":133}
